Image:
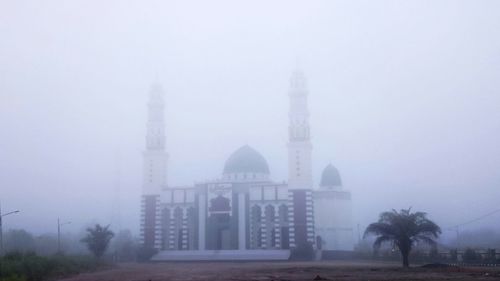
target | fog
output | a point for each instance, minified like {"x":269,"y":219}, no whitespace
{"x":404,"y":101}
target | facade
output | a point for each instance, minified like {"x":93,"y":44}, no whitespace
{"x":244,"y":211}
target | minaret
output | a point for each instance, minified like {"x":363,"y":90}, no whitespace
{"x":300,"y":203}
{"x":299,"y":145}
{"x":154,"y":169}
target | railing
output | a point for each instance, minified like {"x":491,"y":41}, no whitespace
{"x":468,"y":257}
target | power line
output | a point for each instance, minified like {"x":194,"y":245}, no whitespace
{"x":475,"y":220}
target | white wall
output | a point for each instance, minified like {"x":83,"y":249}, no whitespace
{"x":333,"y":219}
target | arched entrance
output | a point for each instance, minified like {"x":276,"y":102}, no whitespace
{"x":219,"y":224}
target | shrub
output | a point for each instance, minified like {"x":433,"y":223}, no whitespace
{"x":13,"y":278}
{"x":471,"y":255}
{"x":144,"y":254}
{"x":304,"y":251}
{"x":491,"y":256}
{"x":434,"y":255}
{"x":454,"y":255}
{"x":17,"y":266}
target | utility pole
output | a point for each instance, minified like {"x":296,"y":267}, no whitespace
{"x":59,"y":224}
{"x":1,"y":227}
{"x":1,"y":233}
{"x":359,"y":235}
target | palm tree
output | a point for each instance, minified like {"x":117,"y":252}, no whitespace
{"x":97,"y":239}
{"x":403,"y":229}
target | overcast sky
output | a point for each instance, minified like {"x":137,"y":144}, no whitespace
{"x":404,"y":100}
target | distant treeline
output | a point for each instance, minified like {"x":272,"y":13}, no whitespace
{"x":123,"y":246}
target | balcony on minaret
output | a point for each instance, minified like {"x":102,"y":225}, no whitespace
{"x":157,"y":143}
{"x":299,"y":133}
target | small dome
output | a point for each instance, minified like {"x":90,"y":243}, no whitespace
{"x":246,"y":160}
{"x":330,"y":177}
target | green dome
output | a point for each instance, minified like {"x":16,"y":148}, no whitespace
{"x":246,"y":160}
{"x":330,"y":177}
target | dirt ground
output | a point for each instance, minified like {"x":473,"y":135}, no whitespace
{"x":281,"y":271}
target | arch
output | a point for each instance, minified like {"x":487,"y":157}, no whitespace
{"x":269,"y":223}
{"x":255,"y":227}
{"x":178,"y":213}
{"x":165,"y":228}
{"x":283,"y":214}
{"x":220,"y":204}
{"x":283,"y":223}
{"x":191,"y":230}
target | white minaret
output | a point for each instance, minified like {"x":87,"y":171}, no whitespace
{"x":154,"y":170}
{"x":155,"y":157}
{"x":299,"y":145}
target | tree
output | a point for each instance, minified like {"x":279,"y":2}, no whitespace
{"x":97,"y":239}
{"x":403,"y":229}
{"x":19,"y":240}
{"x":46,"y":244}
{"x":124,"y":246}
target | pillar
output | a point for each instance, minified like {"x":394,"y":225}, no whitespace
{"x":241,"y":222}
{"x":202,"y":217}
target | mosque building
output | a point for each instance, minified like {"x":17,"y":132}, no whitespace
{"x":244,"y":214}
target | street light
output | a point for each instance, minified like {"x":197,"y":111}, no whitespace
{"x":59,"y":224}
{"x":1,"y":228}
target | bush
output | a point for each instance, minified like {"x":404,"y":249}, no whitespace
{"x":491,"y":256}
{"x":434,"y":256}
{"x":17,"y":266}
{"x":470,"y":256}
{"x":19,"y":240}
{"x":124,"y":247}
{"x":454,"y":255}
{"x":304,"y":251}
{"x":13,"y":278}
{"x":144,"y":254}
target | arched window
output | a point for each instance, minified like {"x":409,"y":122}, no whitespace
{"x":270,"y":235}
{"x":178,"y":228}
{"x":283,"y":214}
{"x":255,"y":227}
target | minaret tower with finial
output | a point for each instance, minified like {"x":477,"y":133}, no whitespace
{"x":154,"y":169}
{"x":299,"y":164}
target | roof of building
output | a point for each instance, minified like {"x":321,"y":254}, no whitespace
{"x":246,"y":160}
{"x":330,"y":177}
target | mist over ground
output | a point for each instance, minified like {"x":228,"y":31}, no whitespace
{"x":404,"y":101}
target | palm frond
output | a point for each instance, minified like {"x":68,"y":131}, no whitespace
{"x":380,"y":240}
{"x":379,"y":228}
{"x":425,"y":239}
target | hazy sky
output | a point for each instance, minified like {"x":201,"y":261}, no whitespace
{"x":404,"y":100}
